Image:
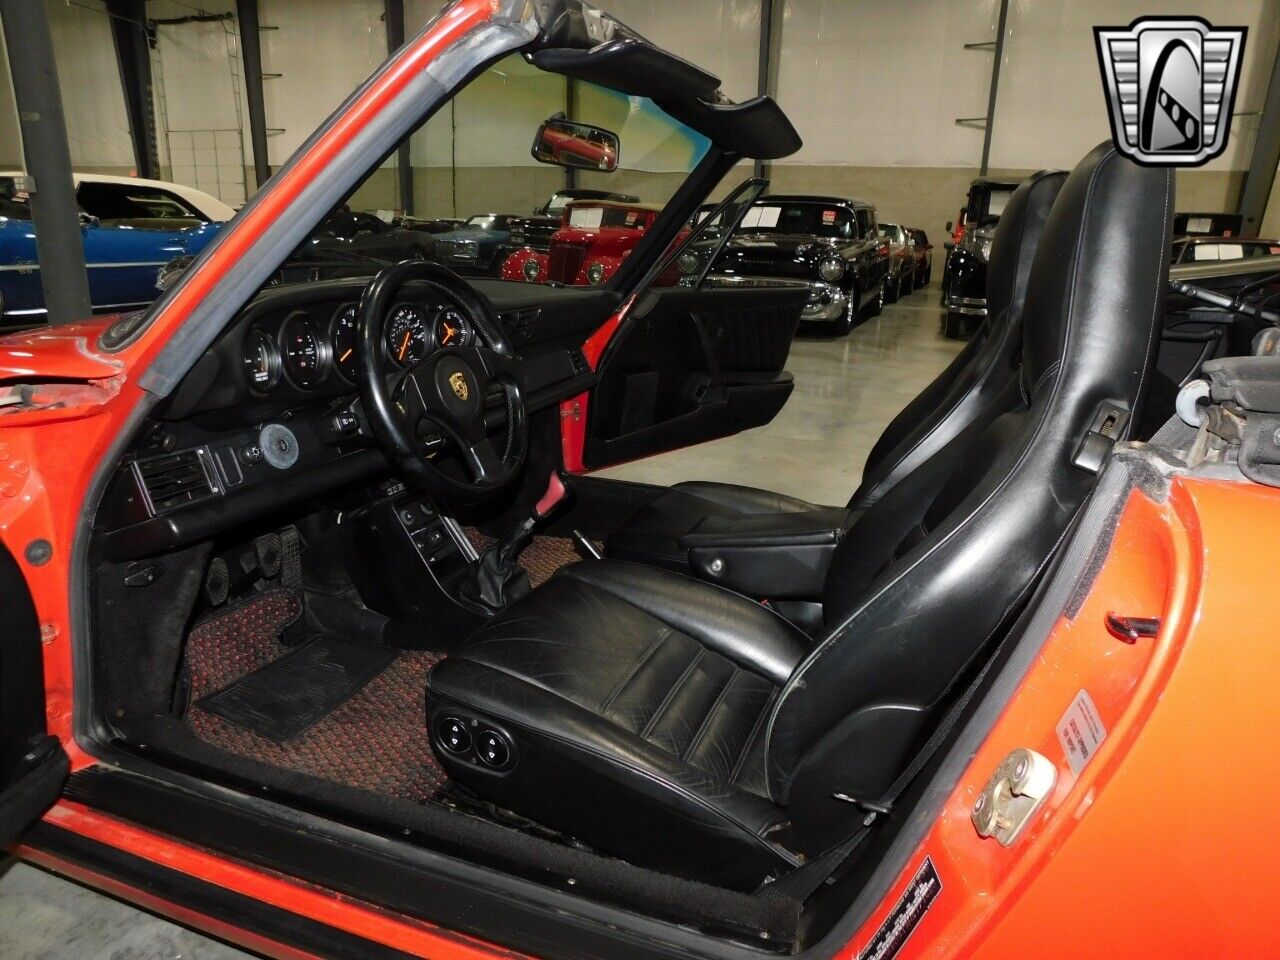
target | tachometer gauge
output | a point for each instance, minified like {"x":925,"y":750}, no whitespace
{"x":452,"y":329}
{"x":261,"y":361}
{"x":344,"y":334}
{"x":408,"y":334}
{"x":305,"y":353}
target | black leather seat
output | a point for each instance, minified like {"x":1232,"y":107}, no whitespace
{"x":980,"y":376}
{"x":678,"y":725}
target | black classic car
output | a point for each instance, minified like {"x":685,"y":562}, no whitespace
{"x":535,"y":231}
{"x":964,"y":289}
{"x":829,"y":243}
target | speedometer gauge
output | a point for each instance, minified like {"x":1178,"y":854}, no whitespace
{"x":306,"y":356}
{"x":344,"y":335}
{"x":408,"y":334}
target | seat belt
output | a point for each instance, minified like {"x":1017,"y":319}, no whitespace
{"x":801,"y":883}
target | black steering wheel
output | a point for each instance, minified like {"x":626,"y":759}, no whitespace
{"x":442,"y":396}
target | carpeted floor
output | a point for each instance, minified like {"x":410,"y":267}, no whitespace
{"x":376,"y":740}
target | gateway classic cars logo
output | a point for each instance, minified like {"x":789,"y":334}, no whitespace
{"x":1171,"y":87}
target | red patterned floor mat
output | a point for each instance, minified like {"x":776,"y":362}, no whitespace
{"x":377,"y":740}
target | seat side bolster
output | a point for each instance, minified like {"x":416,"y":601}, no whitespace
{"x":559,"y":743}
{"x":751,"y":636}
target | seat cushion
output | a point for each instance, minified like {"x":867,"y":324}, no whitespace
{"x":652,"y":534}
{"x":626,"y":688}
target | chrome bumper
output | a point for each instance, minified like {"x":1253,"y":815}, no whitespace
{"x":826,"y":302}
{"x":969,"y":306}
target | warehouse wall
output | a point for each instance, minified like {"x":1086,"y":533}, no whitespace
{"x":874,"y":89}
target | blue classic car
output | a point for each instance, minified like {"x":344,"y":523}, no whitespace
{"x":478,"y":246}
{"x":131,"y":228}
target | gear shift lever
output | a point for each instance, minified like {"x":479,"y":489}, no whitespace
{"x":497,"y":577}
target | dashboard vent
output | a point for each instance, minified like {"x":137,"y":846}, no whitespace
{"x":519,"y":323}
{"x":174,"y":480}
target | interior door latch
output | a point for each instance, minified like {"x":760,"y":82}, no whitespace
{"x":1013,"y":795}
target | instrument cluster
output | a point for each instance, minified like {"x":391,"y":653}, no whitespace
{"x":312,"y":346}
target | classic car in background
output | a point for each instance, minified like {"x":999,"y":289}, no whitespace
{"x":1207,"y":224}
{"x":477,"y":246}
{"x":901,"y":277}
{"x":964,"y":286}
{"x":131,"y":228}
{"x":595,"y":237}
{"x":922,"y":251}
{"x":362,"y":233}
{"x":535,"y":231}
{"x":1212,"y":248}
{"x":829,"y":243}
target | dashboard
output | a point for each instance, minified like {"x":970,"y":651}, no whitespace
{"x":306,"y":348}
{"x":270,"y":414}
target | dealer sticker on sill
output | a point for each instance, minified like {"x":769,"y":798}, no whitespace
{"x":905,"y":915}
{"x":1080,"y":731}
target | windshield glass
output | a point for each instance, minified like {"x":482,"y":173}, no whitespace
{"x":815,"y":219}
{"x":475,"y":186}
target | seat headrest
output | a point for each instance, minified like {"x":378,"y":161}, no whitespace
{"x":1100,"y":270}
{"x":1017,"y":236}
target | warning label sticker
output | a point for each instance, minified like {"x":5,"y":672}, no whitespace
{"x":1080,"y":731}
{"x":905,"y":915}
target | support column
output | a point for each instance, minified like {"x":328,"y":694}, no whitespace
{"x":47,"y":156}
{"x":1263,"y":164}
{"x":251,"y":55}
{"x":998,"y":50}
{"x":771,"y":14}
{"x":133,"y":56}
{"x":393,"y":13}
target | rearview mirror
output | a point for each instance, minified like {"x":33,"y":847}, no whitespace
{"x":577,"y":146}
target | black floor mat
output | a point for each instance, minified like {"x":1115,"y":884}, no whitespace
{"x":284,"y":698}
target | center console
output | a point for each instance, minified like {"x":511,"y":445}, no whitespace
{"x":409,"y":563}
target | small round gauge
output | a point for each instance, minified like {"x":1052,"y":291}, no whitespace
{"x":452,"y":329}
{"x":408,"y":334}
{"x":306,"y":355}
{"x":261,"y":360}
{"x":344,"y":334}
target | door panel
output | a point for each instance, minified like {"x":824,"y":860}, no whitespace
{"x":33,"y":765}
{"x":690,"y":366}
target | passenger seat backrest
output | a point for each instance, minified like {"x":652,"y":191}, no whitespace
{"x":986,"y":367}
{"x":909,"y":615}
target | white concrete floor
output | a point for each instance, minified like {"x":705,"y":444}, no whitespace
{"x":847,"y":389}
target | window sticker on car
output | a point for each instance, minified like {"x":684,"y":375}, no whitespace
{"x":828,"y":216}
{"x":631,"y":218}
{"x":906,"y":914}
{"x":586,"y":217}
{"x":1080,"y":731}
{"x":762,"y":217}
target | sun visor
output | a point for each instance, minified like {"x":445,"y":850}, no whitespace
{"x":633,"y":66}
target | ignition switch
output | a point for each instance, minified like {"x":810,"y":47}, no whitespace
{"x":1013,"y":795}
